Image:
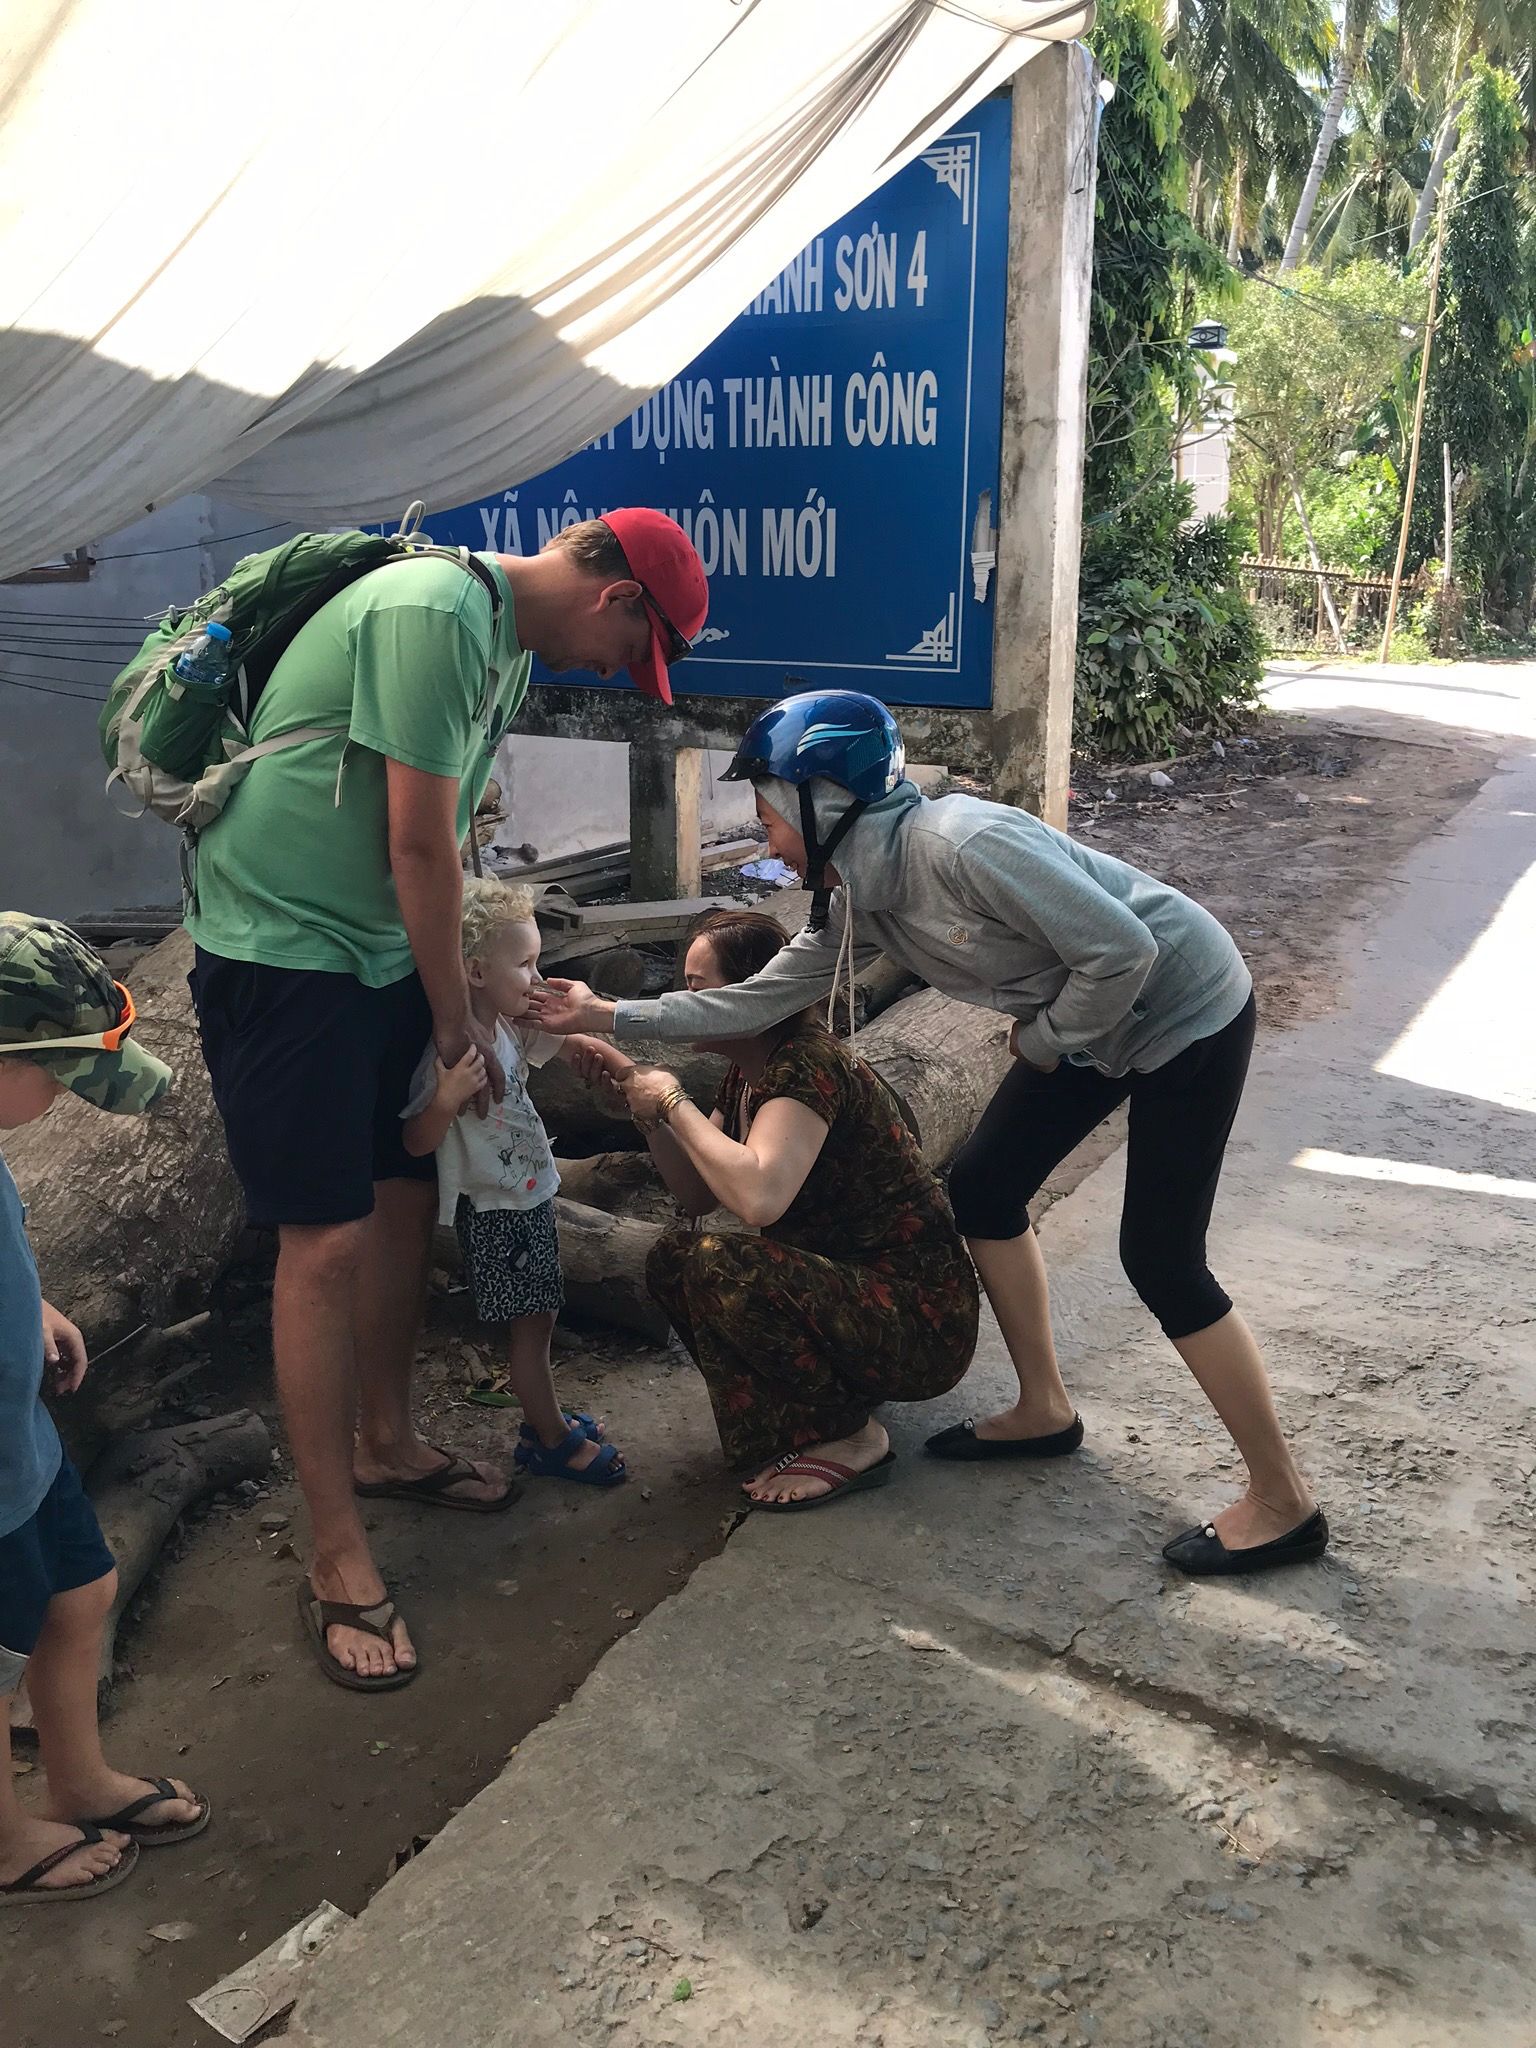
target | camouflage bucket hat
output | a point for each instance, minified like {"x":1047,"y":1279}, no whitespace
{"x":61,"y":1007}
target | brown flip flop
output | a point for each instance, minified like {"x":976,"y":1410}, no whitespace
{"x":27,"y":1891}
{"x":432,"y":1487}
{"x":378,"y":1620}
{"x":148,"y":1834}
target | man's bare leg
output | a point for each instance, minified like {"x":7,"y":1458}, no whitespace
{"x":313,"y":1306}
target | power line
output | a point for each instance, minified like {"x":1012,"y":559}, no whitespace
{"x":1324,"y":311}
{"x":62,"y":638}
{"x":1311,"y":300}
{"x":212,"y":540}
{"x":45,"y":690}
{"x":74,"y":660}
{"x":1455,"y":206}
{"x":20,"y":617}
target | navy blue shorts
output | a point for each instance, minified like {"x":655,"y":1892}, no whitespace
{"x":310,"y":1072}
{"x":62,"y":1547}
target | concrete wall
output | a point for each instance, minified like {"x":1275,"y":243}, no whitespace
{"x":567,"y":795}
{"x":64,"y":852}
{"x":1204,"y":462}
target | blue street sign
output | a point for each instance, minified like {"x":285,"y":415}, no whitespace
{"x":829,"y":453}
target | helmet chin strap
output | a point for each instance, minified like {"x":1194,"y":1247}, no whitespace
{"x":817,"y":856}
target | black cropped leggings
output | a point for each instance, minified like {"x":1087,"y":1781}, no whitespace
{"x":1181,"y":1116}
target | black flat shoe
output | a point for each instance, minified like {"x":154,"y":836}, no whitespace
{"x":963,"y":1443}
{"x":1202,"y":1554}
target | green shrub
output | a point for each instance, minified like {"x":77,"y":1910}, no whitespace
{"x":1354,"y":511}
{"x":1167,"y":643}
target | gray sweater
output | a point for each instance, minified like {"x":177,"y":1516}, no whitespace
{"x":993,"y":907}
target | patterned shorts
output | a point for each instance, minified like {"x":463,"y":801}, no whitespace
{"x":513,"y":1258}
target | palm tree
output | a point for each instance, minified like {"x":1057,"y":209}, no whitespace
{"x":1359,"y":16}
{"x":1246,"y":108}
{"x":1385,"y":154}
{"x":1443,"y":36}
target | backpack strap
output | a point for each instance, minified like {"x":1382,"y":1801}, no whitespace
{"x":469,"y":563}
{"x":410,"y":551}
{"x":295,"y":737}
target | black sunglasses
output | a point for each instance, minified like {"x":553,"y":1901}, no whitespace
{"x":679,"y":646}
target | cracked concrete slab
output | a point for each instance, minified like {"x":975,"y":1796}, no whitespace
{"x":819,"y":1814}
{"x":961,"y":1761}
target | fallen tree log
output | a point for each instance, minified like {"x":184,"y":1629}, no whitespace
{"x":603,"y":1260}
{"x":143,"y":1486}
{"x":602,"y":1263}
{"x":944,"y":1059}
{"x":622,"y":1183}
{"x":882,"y":983}
{"x":133,"y":1217}
{"x":145,"y":1483}
{"x":581,"y":1119}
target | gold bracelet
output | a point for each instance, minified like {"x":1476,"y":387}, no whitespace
{"x":662,"y":1112}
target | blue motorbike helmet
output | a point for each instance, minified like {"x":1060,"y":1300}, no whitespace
{"x":843,"y":735}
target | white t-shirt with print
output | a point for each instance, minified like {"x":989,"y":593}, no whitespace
{"x":501,"y":1160}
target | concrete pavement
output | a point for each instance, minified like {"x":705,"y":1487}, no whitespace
{"x":962,"y":1762}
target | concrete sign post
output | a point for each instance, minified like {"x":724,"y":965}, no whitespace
{"x":880,"y":463}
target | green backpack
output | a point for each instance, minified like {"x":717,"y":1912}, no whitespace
{"x":182,"y":753}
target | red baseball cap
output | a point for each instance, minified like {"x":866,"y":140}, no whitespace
{"x":674,"y":590}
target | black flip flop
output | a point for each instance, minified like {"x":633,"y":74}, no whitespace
{"x":432,"y":1487}
{"x":842,"y":1480}
{"x":962,"y":1443}
{"x":146,"y":1834}
{"x":378,"y":1620}
{"x":27,"y":1891}
{"x":1201,"y":1553}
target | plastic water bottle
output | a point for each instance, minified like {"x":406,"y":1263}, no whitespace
{"x":203,"y":668}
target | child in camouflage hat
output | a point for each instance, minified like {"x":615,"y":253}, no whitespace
{"x":64,"y":1024}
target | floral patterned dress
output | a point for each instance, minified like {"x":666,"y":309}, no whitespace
{"x":862,"y":1292}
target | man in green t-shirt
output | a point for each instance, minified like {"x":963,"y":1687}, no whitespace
{"x":327,"y":929}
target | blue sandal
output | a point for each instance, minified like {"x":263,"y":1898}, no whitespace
{"x":589,"y":1426}
{"x":606,"y":1469}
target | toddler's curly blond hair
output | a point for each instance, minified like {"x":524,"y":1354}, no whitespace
{"x":488,"y":905}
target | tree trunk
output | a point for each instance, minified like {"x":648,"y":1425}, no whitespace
{"x":1325,"y":590}
{"x":621,"y":1183}
{"x":944,"y":1060}
{"x":134,"y":1217}
{"x":602,"y":1258}
{"x":142,"y":1488}
{"x":1269,"y":505}
{"x":882,"y":983}
{"x":1235,"y":224}
{"x":1355,"y":19}
{"x":579,"y":1119}
{"x":1445,"y":143}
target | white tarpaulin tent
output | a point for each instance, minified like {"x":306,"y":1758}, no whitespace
{"x":328,"y":257}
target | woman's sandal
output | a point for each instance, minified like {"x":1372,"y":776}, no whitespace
{"x":840,"y":1480}
{"x":26,"y":1890}
{"x":432,"y":1487}
{"x":146,"y":1834}
{"x":378,"y":1620}
{"x":1201,"y":1553}
{"x":536,"y":1459}
{"x":964,"y":1444}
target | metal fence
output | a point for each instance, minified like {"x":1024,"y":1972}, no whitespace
{"x":1289,"y":601}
